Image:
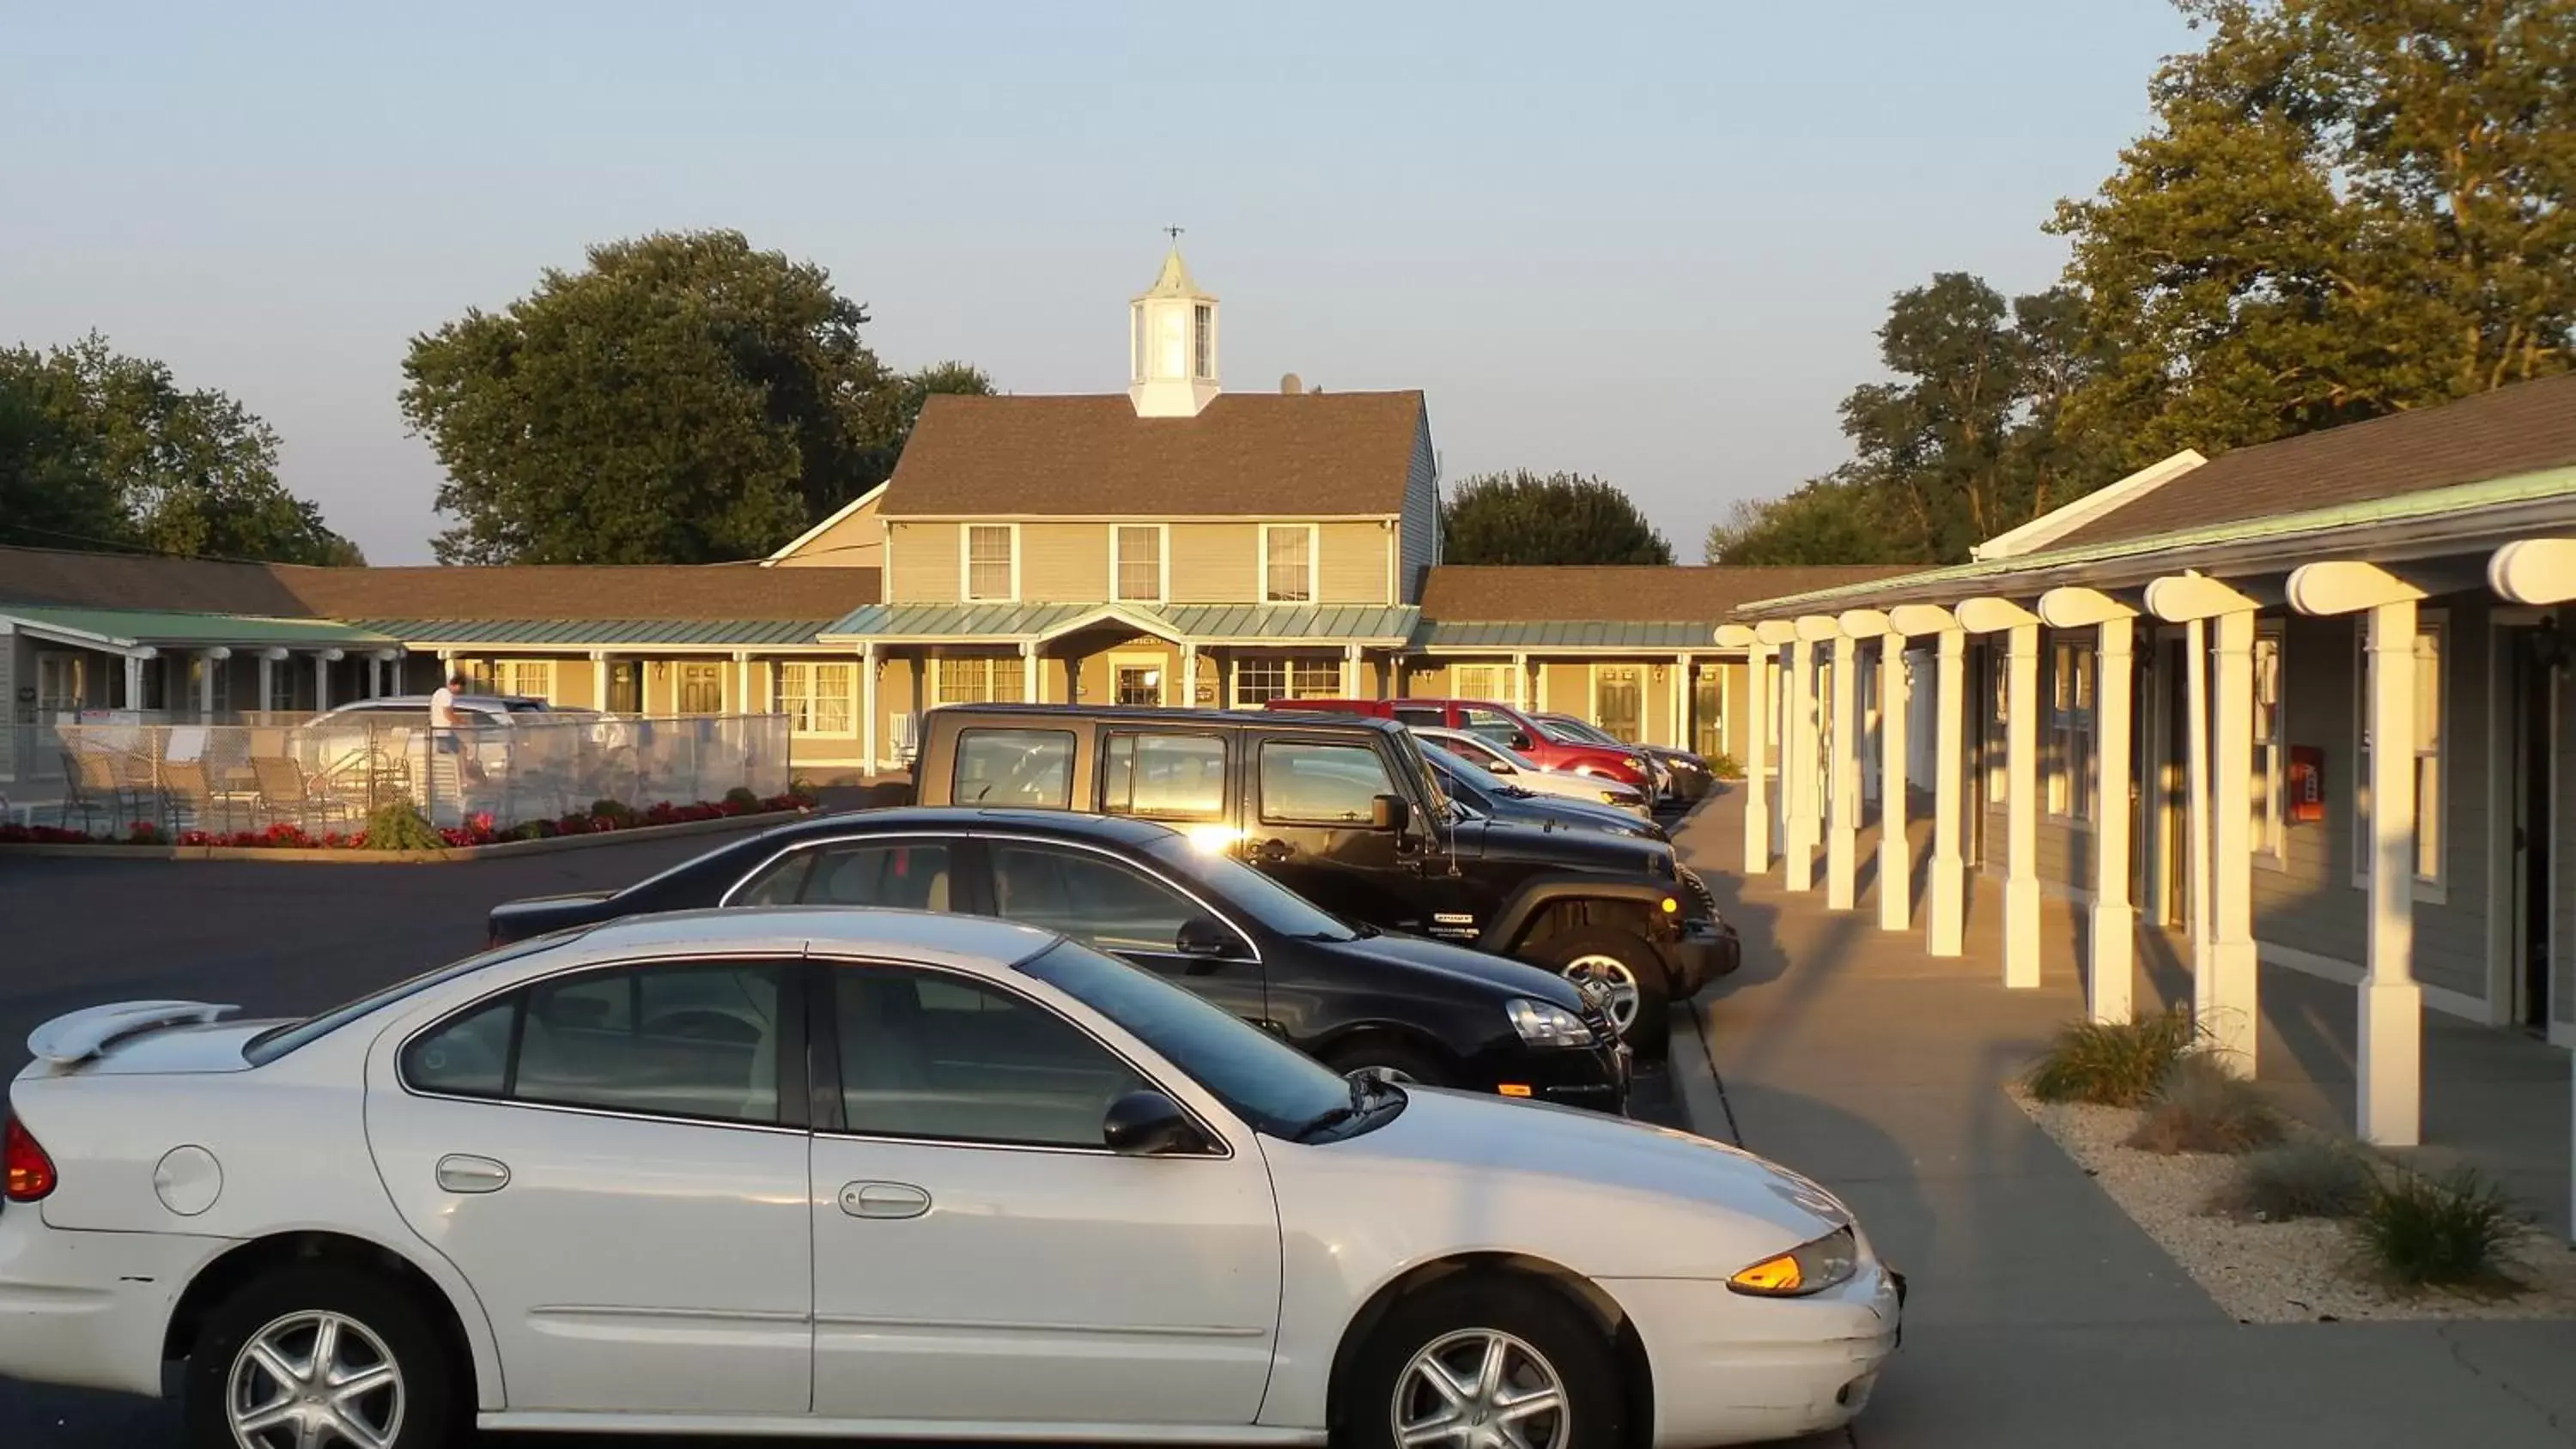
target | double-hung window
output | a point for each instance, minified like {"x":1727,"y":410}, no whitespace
{"x":1288,"y":563}
{"x":992,"y":562}
{"x":1478,"y":681}
{"x":815,"y":696}
{"x":1136,"y":563}
{"x":2431,"y":715}
{"x":2070,"y":731}
{"x":981,"y":681}
{"x":1258,"y":681}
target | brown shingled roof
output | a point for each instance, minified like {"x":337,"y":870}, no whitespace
{"x":2519,"y":429}
{"x":526,"y":591}
{"x":1504,"y":593}
{"x":1246,"y":454}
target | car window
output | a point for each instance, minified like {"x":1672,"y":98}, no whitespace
{"x":1320,"y":784}
{"x":1418,"y":715}
{"x":780,"y":883}
{"x":1107,"y":903}
{"x":1014,"y":767}
{"x":681,"y":1040}
{"x":908,"y":875}
{"x":1163,"y":776}
{"x":953,"y":1059}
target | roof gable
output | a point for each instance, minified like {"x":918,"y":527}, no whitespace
{"x":1247,"y":455}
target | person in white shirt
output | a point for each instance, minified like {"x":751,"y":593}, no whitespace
{"x":446,"y":726}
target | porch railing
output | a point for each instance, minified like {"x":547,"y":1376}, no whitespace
{"x":105,"y":778}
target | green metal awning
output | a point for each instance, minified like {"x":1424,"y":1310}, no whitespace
{"x":1185,"y":623}
{"x":136,"y":628}
{"x":1584,"y":634}
{"x":602,"y":633}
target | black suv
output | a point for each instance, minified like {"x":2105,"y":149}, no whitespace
{"x":1353,"y":998}
{"x":1345,"y":811}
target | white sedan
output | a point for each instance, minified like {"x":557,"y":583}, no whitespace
{"x":872,"y":1173}
{"x":1519,"y":769}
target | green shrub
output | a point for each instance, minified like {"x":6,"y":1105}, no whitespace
{"x":742,"y":797}
{"x":2416,"y":1232}
{"x":397,"y":826}
{"x":1726,"y":767}
{"x":2200,"y":1106}
{"x":2111,"y":1064}
{"x":2302,"y":1178}
{"x":616,"y":811}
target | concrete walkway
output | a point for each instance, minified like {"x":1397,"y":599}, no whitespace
{"x":2041,"y":1315}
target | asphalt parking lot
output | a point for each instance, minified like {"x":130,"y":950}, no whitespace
{"x":277,"y":940}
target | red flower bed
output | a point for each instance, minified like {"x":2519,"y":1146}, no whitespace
{"x":606,"y":815}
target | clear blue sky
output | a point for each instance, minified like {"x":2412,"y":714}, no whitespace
{"x":1650,"y":242}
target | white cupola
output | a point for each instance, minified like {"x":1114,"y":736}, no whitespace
{"x":1171,"y":364}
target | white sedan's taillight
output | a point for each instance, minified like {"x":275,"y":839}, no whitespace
{"x":29,"y":1171}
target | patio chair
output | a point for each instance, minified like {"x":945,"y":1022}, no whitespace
{"x":192,"y":798}
{"x":120,"y":780}
{"x":77,"y":796}
{"x":286,"y":793}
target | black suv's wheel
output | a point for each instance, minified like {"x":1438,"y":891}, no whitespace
{"x":1630,"y":977}
{"x":316,"y":1355}
{"x":1400,"y":1061}
{"x":1485,"y":1360}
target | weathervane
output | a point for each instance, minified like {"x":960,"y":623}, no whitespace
{"x":1174,"y":233}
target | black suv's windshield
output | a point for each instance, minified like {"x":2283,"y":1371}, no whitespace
{"x":1251,"y":892}
{"x":1409,"y":750}
{"x":1266,"y":1082}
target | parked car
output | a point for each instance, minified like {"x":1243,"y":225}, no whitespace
{"x":1683,"y":774}
{"x":1344,"y":811}
{"x":1500,"y":723}
{"x":1353,"y":997}
{"x":1510,"y":765}
{"x":391,"y":731}
{"x":878,"y":1173}
{"x":1473,"y":789}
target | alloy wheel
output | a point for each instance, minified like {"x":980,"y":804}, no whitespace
{"x":1480,"y":1388}
{"x":1617,"y":985}
{"x":313,"y":1380}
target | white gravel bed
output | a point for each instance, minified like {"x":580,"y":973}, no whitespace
{"x":2259,"y":1272}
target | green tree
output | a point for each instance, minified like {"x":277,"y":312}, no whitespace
{"x":101,"y":450}
{"x":682,"y":399}
{"x":1563,"y":518}
{"x":2346,"y":207}
{"x":1826,"y":520}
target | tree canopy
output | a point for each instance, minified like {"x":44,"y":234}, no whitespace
{"x":1563,"y":518}
{"x":2344,"y":208}
{"x":682,"y":399}
{"x":103,"y":451}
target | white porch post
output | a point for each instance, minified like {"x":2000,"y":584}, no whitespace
{"x":2021,"y":767}
{"x":1520,"y":682}
{"x":1945,"y":915}
{"x":2224,"y":978}
{"x":1682,"y":689}
{"x":2113,"y":934}
{"x":868,"y":708}
{"x":1842,"y":836}
{"x":268,"y":675}
{"x":1189,"y":675}
{"x":133,"y":681}
{"x":207,"y":663}
{"x":1895,"y":851}
{"x":1798,"y":769}
{"x":599,"y":680}
{"x":322,"y":678}
{"x":2391,"y":1058}
{"x":1029,"y":672}
{"x":1758,"y":664}
{"x":1350,"y":671}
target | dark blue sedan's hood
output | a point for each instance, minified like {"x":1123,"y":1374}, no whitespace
{"x":1508,"y":978}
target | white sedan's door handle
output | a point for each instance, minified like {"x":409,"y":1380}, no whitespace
{"x":884,"y":1200}
{"x":457,"y":1173}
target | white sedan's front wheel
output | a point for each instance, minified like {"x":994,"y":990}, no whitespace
{"x":319,"y":1357}
{"x":1487,"y":1362}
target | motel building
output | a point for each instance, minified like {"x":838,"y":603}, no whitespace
{"x":1173,"y":543}
{"x":2305,"y":705}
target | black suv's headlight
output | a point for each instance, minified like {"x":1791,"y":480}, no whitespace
{"x":1807,"y":1268}
{"x":1540,"y":1024}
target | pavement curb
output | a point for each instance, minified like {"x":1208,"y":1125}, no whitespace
{"x":1694,"y":1075}
{"x":446,"y":855}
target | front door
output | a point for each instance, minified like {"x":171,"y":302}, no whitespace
{"x":980,"y":1256}
{"x":1114,"y":906}
{"x":604,"y":1157}
{"x":1619,"y":701}
{"x":701,"y":689}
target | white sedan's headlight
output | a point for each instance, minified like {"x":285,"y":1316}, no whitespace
{"x":1807,"y":1268}
{"x":1549,"y":1026}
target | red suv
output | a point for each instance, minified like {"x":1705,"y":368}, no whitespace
{"x":1503,"y":725}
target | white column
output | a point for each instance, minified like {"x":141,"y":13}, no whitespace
{"x":1798,"y":768}
{"x":2235,"y":1019}
{"x":1759,"y":667}
{"x":322,"y":681}
{"x":1946,"y":913}
{"x":2114,"y":919}
{"x":2196,"y":711}
{"x":207,"y":663}
{"x":1842,"y":835}
{"x":2391,"y":1059}
{"x":267,"y":677}
{"x":1520,"y":682}
{"x":1029,"y":672}
{"x":1895,"y":851}
{"x":743,"y":702}
{"x":1350,"y":671}
{"x":868,"y":707}
{"x":1682,"y":690}
{"x":2021,"y":807}
{"x":1189,"y":676}
{"x":599,"y":680}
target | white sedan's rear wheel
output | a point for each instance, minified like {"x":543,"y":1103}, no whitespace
{"x":319,"y":1357}
{"x":1486,"y":1362}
